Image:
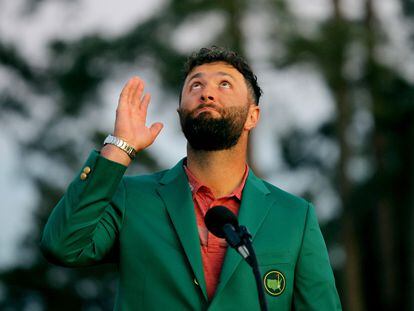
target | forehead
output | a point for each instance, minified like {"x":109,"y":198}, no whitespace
{"x":214,"y":69}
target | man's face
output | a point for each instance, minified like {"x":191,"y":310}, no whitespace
{"x":214,"y":106}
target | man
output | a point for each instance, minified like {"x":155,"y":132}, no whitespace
{"x":152,"y":226}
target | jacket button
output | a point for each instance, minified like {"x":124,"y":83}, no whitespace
{"x":83,"y":176}
{"x":87,"y":170}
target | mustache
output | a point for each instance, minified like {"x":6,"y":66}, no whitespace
{"x":201,"y":106}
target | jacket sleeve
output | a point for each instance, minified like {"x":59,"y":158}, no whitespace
{"x":83,"y":227}
{"x":314,"y":280}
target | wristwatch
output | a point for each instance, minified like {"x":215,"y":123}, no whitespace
{"x":130,"y":151}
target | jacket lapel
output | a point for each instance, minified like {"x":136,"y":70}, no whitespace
{"x":176,"y":194}
{"x":254,"y":207}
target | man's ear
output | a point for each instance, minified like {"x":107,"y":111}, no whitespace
{"x":252,"y":117}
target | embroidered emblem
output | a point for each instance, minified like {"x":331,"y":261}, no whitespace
{"x":274,"y":282}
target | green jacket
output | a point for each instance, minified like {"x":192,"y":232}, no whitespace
{"x":147,"y":225}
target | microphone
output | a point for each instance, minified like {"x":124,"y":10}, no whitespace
{"x":221,"y":222}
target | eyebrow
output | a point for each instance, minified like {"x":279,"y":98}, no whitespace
{"x":200,"y":74}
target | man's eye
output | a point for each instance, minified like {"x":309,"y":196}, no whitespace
{"x":196,"y":85}
{"x":225,"y":84}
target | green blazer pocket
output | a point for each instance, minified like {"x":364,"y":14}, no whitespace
{"x":277,"y":274}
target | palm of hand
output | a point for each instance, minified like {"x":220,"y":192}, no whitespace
{"x":131,"y":116}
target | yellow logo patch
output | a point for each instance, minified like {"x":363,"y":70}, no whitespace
{"x":274,"y":282}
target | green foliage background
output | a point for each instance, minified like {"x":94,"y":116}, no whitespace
{"x":375,"y":226}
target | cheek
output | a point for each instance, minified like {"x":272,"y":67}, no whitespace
{"x":191,"y":94}
{"x":236,"y":95}
{"x":229,"y":95}
{"x":188,"y":102}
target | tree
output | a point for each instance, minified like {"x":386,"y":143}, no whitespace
{"x":71,"y":81}
{"x":377,"y":212}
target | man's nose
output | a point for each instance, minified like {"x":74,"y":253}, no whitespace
{"x":207,"y":95}
{"x":206,"y":98}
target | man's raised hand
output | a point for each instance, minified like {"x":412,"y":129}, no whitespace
{"x":131,"y":116}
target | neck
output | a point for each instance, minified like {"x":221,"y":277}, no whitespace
{"x":222,"y":171}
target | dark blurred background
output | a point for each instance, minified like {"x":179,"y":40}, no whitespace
{"x":336,"y":128}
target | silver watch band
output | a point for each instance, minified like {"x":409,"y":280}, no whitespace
{"x":130,"y":151}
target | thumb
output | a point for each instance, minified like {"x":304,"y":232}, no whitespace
{"x":155,"y":129}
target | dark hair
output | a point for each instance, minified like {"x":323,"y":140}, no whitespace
{"x":219,"y":54}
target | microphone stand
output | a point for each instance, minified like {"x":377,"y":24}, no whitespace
{"x":252,"y":261}
{"x":223,"y":223}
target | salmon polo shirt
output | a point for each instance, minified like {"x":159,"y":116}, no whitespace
{"x":213,"y":249}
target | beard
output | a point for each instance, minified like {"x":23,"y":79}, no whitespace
{"x":207,"y":133}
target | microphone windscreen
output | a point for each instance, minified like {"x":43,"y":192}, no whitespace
{"x":216,"y":217}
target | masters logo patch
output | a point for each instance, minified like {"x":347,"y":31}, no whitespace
{"x":274,"y":282}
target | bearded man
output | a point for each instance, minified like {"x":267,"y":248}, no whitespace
{"x":153,"y":227}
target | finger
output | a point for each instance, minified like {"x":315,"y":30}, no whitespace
{"x":136,"y":93}
{"x":144,"y":103}
{"x":155,"y":129}
{"x":125,"y":93}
